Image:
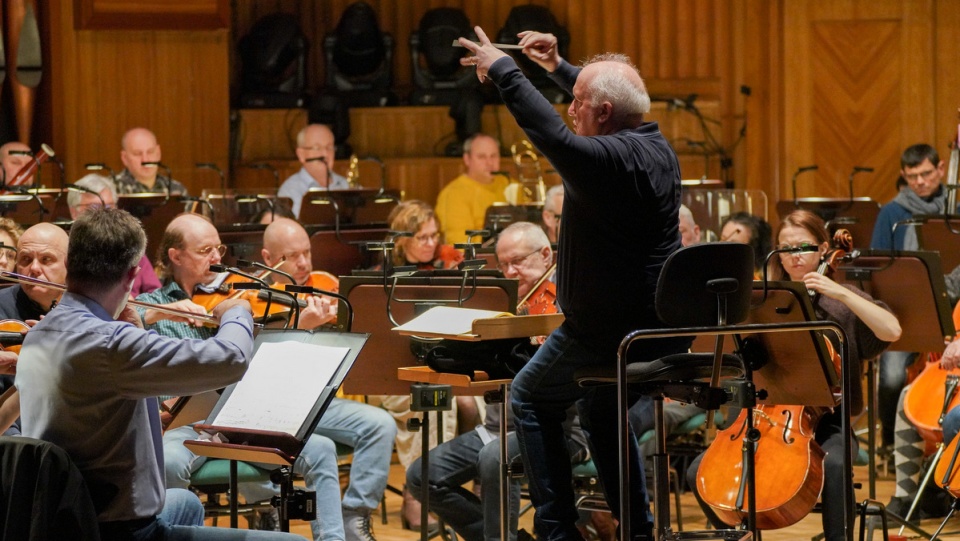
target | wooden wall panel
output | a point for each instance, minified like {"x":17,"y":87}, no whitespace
{"x":173,"y":82}
{"x":151,"y":15}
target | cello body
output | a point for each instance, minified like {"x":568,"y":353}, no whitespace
{"x":788,"y":464}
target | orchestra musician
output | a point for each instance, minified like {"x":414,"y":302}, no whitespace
{"x":550,"y":215}
{"x":689,"y":230}
{"x":189,"y":246}
{"x":869,"y":327}
{"x":369,"y":430}
{"x":89,"y":376}
{"x":462,"y":203}
{"x":425,"y":248}
{"x":10,"y":233}
{"x":523,"y":252}
{"x":620,"y":218}
{"x":140,"y":152}
{"x":103,"y":194}
{"x":13,"y":156}
{"x":746,"y":228}
{"x":315,"y":151}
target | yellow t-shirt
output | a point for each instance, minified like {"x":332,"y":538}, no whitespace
{"x":462,"y":205}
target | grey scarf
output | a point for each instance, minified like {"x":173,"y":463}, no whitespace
{"x":917,"y":205}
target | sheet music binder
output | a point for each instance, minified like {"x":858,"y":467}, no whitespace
{"x":276,"y":447}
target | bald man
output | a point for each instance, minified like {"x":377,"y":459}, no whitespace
{"x":138,"y":150}
{"x":286,"y":241}
{"x":13,"y":156}
{"x":315,"y":151}
{"x":42,"y":253}
{"x":462,"y":204}
{"x":621,"y":182}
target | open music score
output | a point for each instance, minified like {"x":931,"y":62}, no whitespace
{"x":473,"y":325}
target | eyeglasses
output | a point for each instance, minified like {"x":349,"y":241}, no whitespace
{"x":926,"y":175}
{"x":8,"y":252}
{"x":206,"y":250}
{"x":325,"y":148}
{"x":517,"y":262}
{"x":424,"y":239}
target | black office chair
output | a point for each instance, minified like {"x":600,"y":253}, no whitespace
{"x":359,"y":59}
{"x":702,"y":288}
{"x":541,"y":19}
{"x":42,"y":494}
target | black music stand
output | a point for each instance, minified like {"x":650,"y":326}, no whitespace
{"x":27,"y":208}
{"x":500,"y":215}
{"x":941,"y":234}
{"x":241,"y":206}
{"x":230,"y":442}
{"x":912,"y":285}
{"x":155,"y":212}
{"x":345,"y":207}
{"x":856,"y":215}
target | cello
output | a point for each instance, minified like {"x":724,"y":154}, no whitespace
{"x":788,"y":462}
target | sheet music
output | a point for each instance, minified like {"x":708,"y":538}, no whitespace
{"x":281,"y":386}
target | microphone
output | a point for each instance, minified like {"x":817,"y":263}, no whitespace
{"x":165,"y":168}
{"x":290,"y":289}
{"x":100,"y":166}
{"x":259,"y":283}
{"x":261,"y":266}
{"x":800,"y":171}
{"x":213,"y":166}
{"x":322,"y":160}
{"x":202,"y":201}
{"x":84,"y":189}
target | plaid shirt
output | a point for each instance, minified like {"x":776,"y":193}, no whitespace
{"x":167,"y":294}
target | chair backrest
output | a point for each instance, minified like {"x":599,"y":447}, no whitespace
{"x":42,"y":494}
{"x":700,"y":280}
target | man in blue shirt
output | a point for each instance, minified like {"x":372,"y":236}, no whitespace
{"x":89,"y":373}
{"x":315,"y":150}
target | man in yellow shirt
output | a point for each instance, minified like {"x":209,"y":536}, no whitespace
{"x":463,"y":203}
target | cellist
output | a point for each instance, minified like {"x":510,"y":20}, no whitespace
{"x":870,"y":327}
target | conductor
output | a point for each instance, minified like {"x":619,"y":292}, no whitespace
{"x":621,"y":182}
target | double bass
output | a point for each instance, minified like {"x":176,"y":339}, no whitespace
{"x":788,"y":462}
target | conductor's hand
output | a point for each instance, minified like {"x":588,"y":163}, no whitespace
{"x":8,"y":362}
{"x":152,"y":316}
{"x":228,"y":304}
{"x":484,"y":55}
{"x":541,"y":48}
{"x":951,"y":356}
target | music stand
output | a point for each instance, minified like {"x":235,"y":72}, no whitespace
{"x":241,"y":206}
{"x":155,"y":212}
{"x":499,"y":215}
{"x":344,"y":207}
{"x":244,"y":436}
{"x":940,"y":234}
{"x":856,"y":215}
{"x":912,"y":285}
{"x":340,"y":251}
{"x":28,"y":208}
{"x":388,"y":351}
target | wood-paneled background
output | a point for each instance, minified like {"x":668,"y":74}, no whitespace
{"x":838,"y":83}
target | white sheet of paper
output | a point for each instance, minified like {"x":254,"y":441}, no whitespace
{"x":281,"y":385}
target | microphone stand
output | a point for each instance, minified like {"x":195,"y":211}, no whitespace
{"x":290,"y":289}
{"x":793,"y":181}
{"x":166,"y":186}
{"x":259,"y":283}
{"x":202,"y":201}
{"x":100,"y":166}
{"x":77,"y":188}
{"x":223,"y":178}
{"x":322,"y":160}
{"x":264,"y":166}
{"x":802,"y":249}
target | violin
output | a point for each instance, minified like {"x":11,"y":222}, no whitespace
{"x":11,"y":334}
{"x":281,"y":303}
{"x":541,"y":298}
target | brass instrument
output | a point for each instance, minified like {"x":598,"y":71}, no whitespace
{"x":21,"y":279}
{"x":529,"y":174}
{"x":353,"y":173}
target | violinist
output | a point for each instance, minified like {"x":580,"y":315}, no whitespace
{"x":869,"y":326}
{"x":425,"y":248}
{"x":188,"y":247}
{"x":367,"y":429}
{"x":286,"y":246}
{"x":42,"y":253}
{"x":103,"y":194}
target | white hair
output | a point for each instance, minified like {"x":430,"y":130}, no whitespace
{"x":549,"y":203}
{"x":93,"y":182}
{"x":613,"y":86}
{"x":685,"y":213}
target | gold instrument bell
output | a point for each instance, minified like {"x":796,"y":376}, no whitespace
{"x":528,"y":188}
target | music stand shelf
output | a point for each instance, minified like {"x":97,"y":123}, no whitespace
{"x":425,"y":374}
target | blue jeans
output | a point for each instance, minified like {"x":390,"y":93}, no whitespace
{"x":159,"y":529}
{"x":541,"y":393}
{"x":182,"y":508}
{"x":367,"y":429}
